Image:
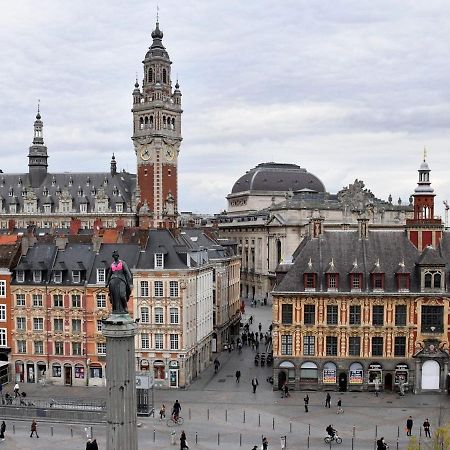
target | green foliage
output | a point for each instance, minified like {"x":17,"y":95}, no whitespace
{"x":439,"y":441}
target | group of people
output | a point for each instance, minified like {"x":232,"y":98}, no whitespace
{"x":264,"y":444}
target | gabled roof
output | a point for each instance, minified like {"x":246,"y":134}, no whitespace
{"x":431,"y":257}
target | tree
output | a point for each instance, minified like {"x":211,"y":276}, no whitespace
{"x":439,"y":441}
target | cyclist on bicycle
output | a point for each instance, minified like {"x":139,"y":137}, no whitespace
{"x":176,"y":410}
{"x":331,"y":431}
{"x":381,"y":445}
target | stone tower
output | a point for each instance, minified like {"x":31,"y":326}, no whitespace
{"x":157,"y":138}
{"x":37,"y":155}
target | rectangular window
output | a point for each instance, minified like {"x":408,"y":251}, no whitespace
{"x":145,"y":341}
{"x":332,"y":280}
{"x":101,"y":276}
{"x":21,"y":346}
{"x":21,"y":323}
{"x":58,"y":325}
{"x":99,"y":326}
{"x":159,"y":343}
{"x":332,"y":314}
{"x":3,"y":340}
{"x":309,"y":315}
{"x":159,"y":292}
{"x":159,"y":260}
{"x":159,"y":315}
{"x":174,"y":319}
{"x":432,"y":319}
{"x":56,"y":371}
{"x":310,"y":280}
{"x":47,"y":209}
{"x":2,"y":313}
{"x":400,"y":315}
{"x":173,"y":288}
{"x":355,"y":315}
{"x":58,"y":301}
{"x":286,"y":344}
{"x":400,"y":346}
{"x":59,"y":348}
{"x":37,"y":276}
{"x":2,"y":288}
{"x":101,"y":348}
{"x":39,"y":347}
{"x":76,"y":326}
{"x":377,"y":279}
{"x":377,"y":346}
{"x":119,"y":207}
{"x":174,"y":342}
{"x":20,"y":299}
{"x":403,"y":281}
{"x":76,"y":301}
{"x":101,"y":300}
{"x":83,"y":207}
{"x":331,"y":345}
{"x":309,"y":347}
{"x":145,"y":314}
{"x":76,"y":348}
{"x":286,"y":313}
{"x":79,"y":372}
{"x":57,"y":276}
{"x":144,"y":288}
{"x":76,"y":276}
{"x":377,"y":315}
{"x":354,"y":346}
{"x":356,"y":281}
{"x":20,"y":276}
{"x":37,"y":300}
{"x":38,"y":324}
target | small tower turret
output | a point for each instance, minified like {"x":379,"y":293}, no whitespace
{"x":113,"y":167}
{"x":37,"y":155}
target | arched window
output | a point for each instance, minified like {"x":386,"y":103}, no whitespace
{"x":151,"y":121}
{"x":164,"y":122}
{"x":278,"y":252}
{"x":437,"y":280}
{"x":141,"y":123}
{"x":146,"y":122}
{"x":150,"y":75}
{"x":428,"y":280}
{"x":164,"y":76}
{"x":173,"y":124}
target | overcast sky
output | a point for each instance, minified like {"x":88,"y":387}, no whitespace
{"x":346,"y":89}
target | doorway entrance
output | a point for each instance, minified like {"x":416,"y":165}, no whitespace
{"x":68,"y":375}
{"x":281,"y":379}
{"x":388,"y":381}
{"x":343,"y":382}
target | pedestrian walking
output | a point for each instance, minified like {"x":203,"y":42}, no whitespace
{"x":426,"y":427}
{"x":254,"y":384}
{"x":328,"y":401}
{"x":339,"y":407}
{"x":265,"y":443}
{"x":286,"y":389}
{"x":251,"y":320}
{"x":94,"y":445}
{"x":409,"y":425}
{"x":260,"y":327}
{"x":183,"y":444}
{"x":33,"y":429}
{"x":16,"y":390}
{"x":216,"y":365}
{"x":2,"y":430}
{"x":162,"y":412}
{"x":238,"y":376}
{"x":306,"y":400}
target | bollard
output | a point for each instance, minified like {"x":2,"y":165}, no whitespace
{"x":218,"y":438}
{"x":226,"y":415}
{"x":240,"y":439}
{"x":330,"y":444}
{"x":397,"y":443}
{"x":154,"y":435}
{"x":290,"y":427}
{"x":189,"y":413}
{"x":51,"y":431}
{"x":14,"y":428}
{"x":244,"y":415}
{"x":420,"y":432}
{"x":352,"y":441}
{"x":308,"y":441}
{"x":196,"y":438}
{"x":309,"y":430}
{"x":71,"y":432}
{"x":92,"y":431}
{"x":398,"y":431}
{"x":208,"y":413}
{"x":273,"y":423}
{"x":259,"y":420}
{"x":353,"y":431}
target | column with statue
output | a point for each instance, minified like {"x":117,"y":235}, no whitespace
{"x":120,"y":329}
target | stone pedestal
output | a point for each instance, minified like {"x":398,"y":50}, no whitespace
{"x":119,"y":330}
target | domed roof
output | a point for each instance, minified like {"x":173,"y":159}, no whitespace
{"x":277,"y":177}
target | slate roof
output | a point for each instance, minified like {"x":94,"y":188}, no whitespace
{"x":40,"y":256}
{"x":391,"y":248}
{"x":74,"y":257}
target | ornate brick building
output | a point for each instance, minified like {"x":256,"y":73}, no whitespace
{"x":363,"y":308}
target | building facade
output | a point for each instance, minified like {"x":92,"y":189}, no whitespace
{"x":366,"y":309}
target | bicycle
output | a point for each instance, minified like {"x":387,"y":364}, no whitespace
{"x":335,"y":438}
{"x":171,"y":421}
{"x":340,"y":411}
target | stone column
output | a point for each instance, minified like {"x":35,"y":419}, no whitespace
{"x":119,"y":330}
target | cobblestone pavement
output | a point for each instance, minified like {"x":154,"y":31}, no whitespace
{"x":225,"y":414}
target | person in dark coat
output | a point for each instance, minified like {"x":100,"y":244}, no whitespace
{"x":328,"y":400}
{"x":183,"y":444}
{"x":238,"y":376}
{"x":306,"y":400}
{"x":409,"y":425}
{"x":254,"y":384}
{"x":33,"y":429}
{"x":426,"y":428}
{"x":2,"y":430}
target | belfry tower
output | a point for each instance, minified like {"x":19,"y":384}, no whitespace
{"x":37,"y":156}
{"x":424,"y":229}
{"x":157,"y":138}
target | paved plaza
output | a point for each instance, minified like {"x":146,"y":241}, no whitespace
{"x":220,"y":413}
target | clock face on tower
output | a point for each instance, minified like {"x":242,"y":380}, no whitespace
{"x":170,"y":154}
{"x":145,"y":153}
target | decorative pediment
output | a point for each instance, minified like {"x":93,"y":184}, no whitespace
{"x":431,"y":348}
{"x":356,"y":198}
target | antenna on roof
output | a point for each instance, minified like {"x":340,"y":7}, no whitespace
{"x":157,"y":13}
{"x":424,"y":154}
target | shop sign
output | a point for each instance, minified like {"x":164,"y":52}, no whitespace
{"x":355,"y":377}
{"x":329,"y":376}
{"x":174,"y":364}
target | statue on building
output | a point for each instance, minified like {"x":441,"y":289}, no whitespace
{"x":119,"y":282}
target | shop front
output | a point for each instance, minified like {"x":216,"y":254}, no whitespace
{"x":375,"y":377}
{"x":309,"y":375}
{"x":174,"y":371}
{"x":329,"y":375}
{"x":401,"y":376}
{"x":355,"y":376}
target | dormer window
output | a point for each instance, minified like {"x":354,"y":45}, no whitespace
{"x":45,"y":192}
{"x":403,"y":282}
{"x":101,"y":276}
{"x":57,"y":276}
{"x":310,"y":281}
{"x":119,"y":207}
{"x":332,"y":281}
{"x":76,"y":276}
{"x":70,"y":181}
{"x":20,"y":276}
{"x":432,"y":280}
{"x":105,"y":182}
{"x":11,"y":192}
{"x":159,"y":261}
{"x":53,"y":181}
{"x":377,"y":281}
{"x":37,"y":276}
{"x":356,"y":282}
{"x":80,"y":191}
